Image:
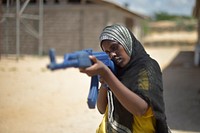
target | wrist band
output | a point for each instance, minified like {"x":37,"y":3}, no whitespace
{"x":104,"y":86}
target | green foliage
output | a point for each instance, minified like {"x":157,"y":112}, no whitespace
{"x":190,"y":27}
{"x":145,"y":27}
{"x":187,"y":23}
{"x":165,"y":16}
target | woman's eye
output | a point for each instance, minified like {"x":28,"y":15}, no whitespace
{"x":114,"y":48}
{"x":107,"y":52}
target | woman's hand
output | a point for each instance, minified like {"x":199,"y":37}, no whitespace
{"x":98,"y":68}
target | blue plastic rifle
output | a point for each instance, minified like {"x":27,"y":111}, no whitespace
{"x":80,"y":59}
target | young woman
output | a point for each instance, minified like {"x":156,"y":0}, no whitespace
{"x":131,"y":100}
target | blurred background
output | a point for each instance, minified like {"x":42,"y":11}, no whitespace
{"x":36,"y":100}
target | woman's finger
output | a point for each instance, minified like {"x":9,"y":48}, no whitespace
{"x":93,"y":59}
{"x":81,"y":70}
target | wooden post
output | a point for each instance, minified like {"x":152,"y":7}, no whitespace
{"x":198,"y":41}
{"x":1,"y":14}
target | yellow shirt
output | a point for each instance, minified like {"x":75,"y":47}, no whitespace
{"x":145,"y":123}
{"x":142,"y":124}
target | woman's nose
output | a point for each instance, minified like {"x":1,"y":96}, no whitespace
{"x":112,"y":55}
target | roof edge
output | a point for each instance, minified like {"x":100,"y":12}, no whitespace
{"x":106,"y":2}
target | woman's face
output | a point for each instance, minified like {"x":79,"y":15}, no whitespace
{"x":116,"y":52}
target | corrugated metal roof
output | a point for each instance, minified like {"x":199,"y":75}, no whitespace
{"x":109,"y":3}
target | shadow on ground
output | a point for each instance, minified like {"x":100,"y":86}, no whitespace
{"x":182,"y":93}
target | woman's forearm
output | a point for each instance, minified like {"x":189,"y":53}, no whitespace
{"x":102,"y":100}
{"x":131,"y":101}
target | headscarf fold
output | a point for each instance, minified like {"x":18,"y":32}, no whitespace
{"x":130,"y":76}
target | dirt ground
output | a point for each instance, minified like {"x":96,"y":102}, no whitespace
{"x":182,"y":92}
{"x":36,"y":100}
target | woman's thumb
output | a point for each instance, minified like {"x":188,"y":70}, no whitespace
{"x":93,"y":59}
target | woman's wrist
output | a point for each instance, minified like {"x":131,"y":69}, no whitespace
{"x":104,"y":86}
{"x":105,"y":71}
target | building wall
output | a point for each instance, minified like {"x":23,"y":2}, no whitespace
{"x":71,"y":28}
{"x":67,"y":28}
{"x":29,"y":44}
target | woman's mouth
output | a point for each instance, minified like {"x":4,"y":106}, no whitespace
{"x":117,"y":60}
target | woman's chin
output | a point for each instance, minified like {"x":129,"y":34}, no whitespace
{"x":119,"y":63}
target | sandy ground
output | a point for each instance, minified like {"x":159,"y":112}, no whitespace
{"x":36,"y":100}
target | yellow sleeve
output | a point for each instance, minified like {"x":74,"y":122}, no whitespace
{"x":145,"y":123}
{"x":102,"y":126}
